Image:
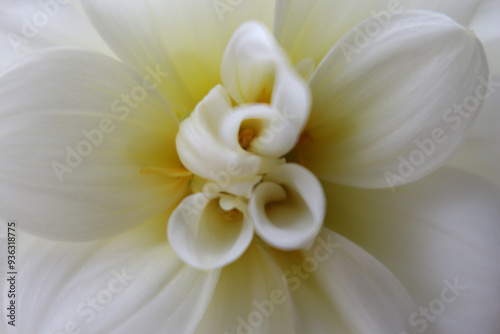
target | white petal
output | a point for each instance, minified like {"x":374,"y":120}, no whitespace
{"x":129,"y":284}
{"x":308,"y":29}
{"x":239,"y":187}
{"x":480,"y":154}
{"x":248,"y":66}
{"x":463,"y":12}
{"x":203,"y":151}
{"x":272,"y":135}
{"x":306,"y":67}
{"x":184,"y":38}
{"x":382,"y":117}
{"x":205,"y":235}
{"x":255,"y":69}
{"x":251,"y":297}
{"x":337,"y":287}
{"x":28,"y":26}
{"x":72,"y":150}
{"x":487,"y":27}
{"x":440,"y":229}
{"x":288,"y":207}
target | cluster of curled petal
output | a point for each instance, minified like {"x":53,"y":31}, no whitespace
{"x":237,"y":152}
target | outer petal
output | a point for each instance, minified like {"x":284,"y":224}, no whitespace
{"x":487,"y":27}
{"x":461,"y":11}
{"x":394,"y":107}
{"x":129,"y":284}
{"x":439,"y":232}
{"x":336,"y":287}
{"x":184,"y":38}
{"x":308,"y":29}
{"x":76,"y":129}
{"x":481,"y":153}
{"x":251,"y":297}
{"x":30,"y":25}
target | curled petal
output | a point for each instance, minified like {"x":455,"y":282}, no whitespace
{"x":288,"y":208}
{"x":207,"y":236}
{"x":260,"y":129}
{"x":202,"y":150}
{"x":255,"y":69}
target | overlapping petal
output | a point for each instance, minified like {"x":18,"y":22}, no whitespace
{"x":487,"y":27}
{"x":439,"y":236}
{"x":126,"y":284}
{"x":185,"y":38}
{"x":77,"y":128}
{"x":251,"y":297}
{"x":28,"y":26}
{"x":377,"y":119}
{"x":462,"y":12}
{"x":338,"y":287}
{"x":308,"y":29}
{"x":333,"y":287}
{"x":481,"y":153}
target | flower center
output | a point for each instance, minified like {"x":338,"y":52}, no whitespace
{"x":232,"y":215}
{"x":248,"y":132}
{"x":245,"y":138}
{"x":236,"y":154}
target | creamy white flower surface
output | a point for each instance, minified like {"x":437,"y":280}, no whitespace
{"x":185,"y":167}
{"x":480,"y":153}
{"x":283,"y":201}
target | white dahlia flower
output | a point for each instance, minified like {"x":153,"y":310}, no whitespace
{"x":249,"y":166}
